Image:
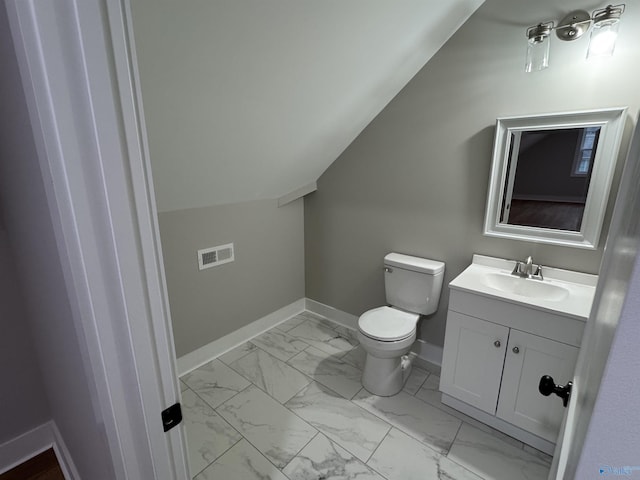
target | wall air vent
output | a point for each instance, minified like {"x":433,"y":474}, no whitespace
{"x":214,"y":256}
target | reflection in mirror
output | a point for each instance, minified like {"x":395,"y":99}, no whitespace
{"x":551,"y":176}
{"x":548,"y":178}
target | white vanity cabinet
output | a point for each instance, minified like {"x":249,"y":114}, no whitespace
{"x":503,"y":334}
{"x":495,"y":353}
{"x":529,"y":357}
{"x":473,"y":360}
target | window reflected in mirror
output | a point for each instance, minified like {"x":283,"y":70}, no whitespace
{"x":548,"y":178}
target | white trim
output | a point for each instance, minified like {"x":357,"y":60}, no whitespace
{"x":204,"y":354}
{"x":611,"y":121}
{"x":298,"y":193}
{"x":335,"y":315}
{"x":20,"y":449}
{"x":427,"y":352}
{"x":64,"y":457}
{"x":429,"y":356}
{"x":89,"y":142}
{"x":499,"y":424}
{"x":26,"y":446}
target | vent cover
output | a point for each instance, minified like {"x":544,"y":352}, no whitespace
{"x":214,"y":256}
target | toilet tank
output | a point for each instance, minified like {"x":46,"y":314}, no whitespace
{"x":413,"y":283}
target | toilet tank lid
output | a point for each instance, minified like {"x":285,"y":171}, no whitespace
{"x":416,"y":264}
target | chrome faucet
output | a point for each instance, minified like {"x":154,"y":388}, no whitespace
{"x":528,"y":269}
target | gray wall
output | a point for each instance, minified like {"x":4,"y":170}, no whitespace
{"x":31,"y":235}
{"x":22,"y":397}
{"x":415,"y":180}
{"x":267,"y":274}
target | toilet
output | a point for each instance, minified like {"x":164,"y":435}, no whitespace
{"x":412,"y":287}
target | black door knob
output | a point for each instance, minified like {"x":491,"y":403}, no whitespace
{"x":547,"y":386}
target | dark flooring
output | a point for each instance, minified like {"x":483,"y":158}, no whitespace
{"x":41,"y":467}
{"x":556,"y":215}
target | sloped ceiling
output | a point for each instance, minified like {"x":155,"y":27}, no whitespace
{"x":253,"y":99}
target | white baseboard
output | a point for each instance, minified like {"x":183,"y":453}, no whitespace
{"x":204,"y":354}
{"x":333,"y":314}
{"x":426,"y":352}
{"x":64,"y":457}
{"x":31,"y":443}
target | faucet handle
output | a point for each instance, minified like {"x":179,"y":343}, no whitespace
{"x":517,"y":268}
{"x":529,"y":260}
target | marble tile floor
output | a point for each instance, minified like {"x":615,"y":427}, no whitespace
{"x":288,"y":405}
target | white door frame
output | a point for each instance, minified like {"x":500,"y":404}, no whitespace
{"x":75,"y":62}
{"x":513,"y":166}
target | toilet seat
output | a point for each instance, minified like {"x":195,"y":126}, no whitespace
{"x":387,"y":324}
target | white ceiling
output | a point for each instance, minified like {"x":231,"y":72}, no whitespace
{"x":252,"y":99}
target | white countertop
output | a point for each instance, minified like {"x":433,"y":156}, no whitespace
{"x":577,"y":304}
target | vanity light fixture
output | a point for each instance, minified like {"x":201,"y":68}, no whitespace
{"x":604,"y":33}
{"x":606,"y":22}
{"x":538,"y":47}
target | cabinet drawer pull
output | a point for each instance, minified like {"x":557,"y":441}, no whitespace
{"x":516,"y":350}
{"x":497,"y":344}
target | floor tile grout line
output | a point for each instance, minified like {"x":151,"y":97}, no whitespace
{"x":267,"y":458}
{"x":317,"y":342}
{"x":412,"y":435}
{"x":311,"y":380}
{"x":315,"y":379}
{"x":284,"y":362}
{"x":284,"y":321}
{"x":342,"y":398}
{"x":228,"y":399}
{"x":521,"y":446}
{"x":454,"y":439}
{"x":376,"y":449}
{"x":423,"y":382}
{"x":219,"y":357}
{"x":216,"y":459}
{"x":275,"y":400}
{"x":293,"y":413}
{"x":264,"y":350}
{"x":333,"y":391}
{"x":318,"y":432}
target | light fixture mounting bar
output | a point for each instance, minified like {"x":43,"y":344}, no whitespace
{"x":573,"y":25}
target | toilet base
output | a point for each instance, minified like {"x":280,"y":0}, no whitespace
{"x":385,"y":376}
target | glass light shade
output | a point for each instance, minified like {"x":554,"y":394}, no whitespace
{"x":603,"y":38}
{"x":537,"y":54}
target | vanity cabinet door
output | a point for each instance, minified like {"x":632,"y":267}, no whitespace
{"x":472,"y":361}
{"x":529,"y":357}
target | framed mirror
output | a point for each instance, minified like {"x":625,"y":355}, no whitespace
{"x":551,"y":176}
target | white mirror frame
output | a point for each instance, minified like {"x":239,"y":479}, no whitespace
{"x":611,"y":122}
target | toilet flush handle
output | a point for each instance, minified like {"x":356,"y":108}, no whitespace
{"x":388,"y":269}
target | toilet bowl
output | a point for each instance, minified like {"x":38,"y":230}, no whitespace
{"x":387,"y":333}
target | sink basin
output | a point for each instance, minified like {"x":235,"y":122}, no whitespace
{"x":525,"y":287}
{"x":561,"y":292}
